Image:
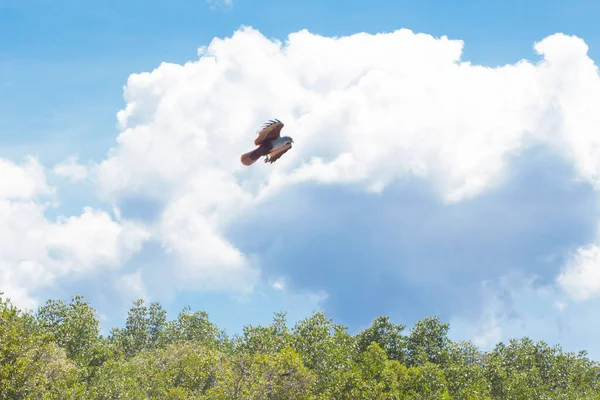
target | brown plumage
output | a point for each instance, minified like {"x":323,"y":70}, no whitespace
{"x":270,"y":131}
{"x":270,"y":144}
{"x":251,"y":157}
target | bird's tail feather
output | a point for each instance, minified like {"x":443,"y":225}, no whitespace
{"x":250,"y":157}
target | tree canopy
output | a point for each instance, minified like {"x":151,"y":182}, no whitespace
{"x":58,"y":352}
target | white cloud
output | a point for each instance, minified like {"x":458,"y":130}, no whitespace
{"x":278,"y":284}
{"x":363,"y":109}
{"x":22,"y":182}
{"x":406,"y":105}
{"x":35,"y":252}
{"x":189,"y":228}
{"x":580,"y":278}
{"x":132,"y":285}
{"x":93,"y":238}
{"x":71,"y":170}
{"x":572,"y":91}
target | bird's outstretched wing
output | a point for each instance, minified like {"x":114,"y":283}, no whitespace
{"x":275,"y":155}
{"x":269,"y":131}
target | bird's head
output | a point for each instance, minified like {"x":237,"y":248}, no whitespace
{"x":288,"y":140}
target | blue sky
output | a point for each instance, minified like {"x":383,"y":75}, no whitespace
{"x":403,"y":252}
{"x":70,"y":60}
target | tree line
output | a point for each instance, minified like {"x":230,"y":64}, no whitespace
{"x":57,"y":352}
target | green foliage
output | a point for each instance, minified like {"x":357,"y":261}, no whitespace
{"x":144,"y":329}
{"x":465,"y":373}
{"x":75,"y":326}
{"x":428,"y":342}
{"x":524,"y":369}
{"x":387,"y":335}
{"x":268,"y":340}
{"x":194,"y":327}
{"x":326,"y":348}
{"x":32,"y":364}
{"x":58,"y":353}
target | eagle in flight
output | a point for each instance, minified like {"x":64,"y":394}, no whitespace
{"x":269,"y":143}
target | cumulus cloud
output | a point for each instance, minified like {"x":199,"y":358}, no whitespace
{"x":580,"y":278}
{"x":35,"y":251}
{"x":131,"y":285}
{"x":405,"y":105}
{"x":572,"y":88}
{"x":93,"y":238}
{"x":71,"y":169}
{"x":363,"y":109}
{"x":22,"y":182}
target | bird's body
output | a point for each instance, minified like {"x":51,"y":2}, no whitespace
{"x":270,"y":144}
{"x":280,"y":143}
